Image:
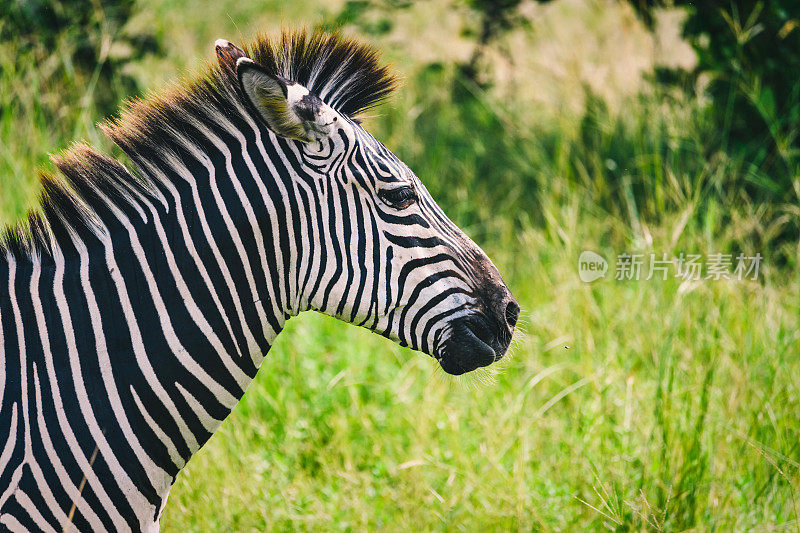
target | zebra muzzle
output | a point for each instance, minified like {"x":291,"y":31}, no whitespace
{"x":471,"y":345}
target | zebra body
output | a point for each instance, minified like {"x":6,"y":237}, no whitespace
{"x":138,"y":306}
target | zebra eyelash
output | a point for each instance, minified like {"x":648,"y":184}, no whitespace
{"x":399,"y":197}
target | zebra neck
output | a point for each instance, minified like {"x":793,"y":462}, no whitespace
{"x":134,"y":320}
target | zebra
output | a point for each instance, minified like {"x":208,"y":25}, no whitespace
{"x":139,"y":301}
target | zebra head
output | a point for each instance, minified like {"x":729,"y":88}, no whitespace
{"x":377,"y":249}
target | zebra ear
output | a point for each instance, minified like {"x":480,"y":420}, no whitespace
{"x":288,"y":108}
{"x":227,"y":54}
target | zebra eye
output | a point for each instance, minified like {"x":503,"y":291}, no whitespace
{"x":399,"y":198}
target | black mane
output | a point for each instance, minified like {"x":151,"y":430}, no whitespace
{"x":343,"y":72}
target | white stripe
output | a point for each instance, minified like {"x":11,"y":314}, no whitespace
{"x":12,"y":295}
{"x":209,"y":423}
{"x":163,"y":437}
{"x":178,"y":350}
{"x":371,"y":296}
{"x":26,"y":503}
{"x":157,"y":174}
{"x":69,"y":334}
{"x":139,"y":351}
{"x":8,"y":447}
{"x":203,"y":159}
{"x":158,"y":478}
{"x":15,"y":477}
{"x":242,"y":379}
{"x":66,"y":483}
{"x":12,"y":523}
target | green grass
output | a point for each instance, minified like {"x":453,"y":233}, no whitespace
{"x":625,"y":404}
{"x":649,"y":405}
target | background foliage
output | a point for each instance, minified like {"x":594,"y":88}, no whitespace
{"x":748,"y":53}
{"x":543,"y":129}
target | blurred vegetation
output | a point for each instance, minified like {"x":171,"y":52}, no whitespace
{"x":64,"y":65}
{"x":90,"y":37}
{"x":659,"y":405}
{"x":749,"y":66}
{"x":729,"y":153}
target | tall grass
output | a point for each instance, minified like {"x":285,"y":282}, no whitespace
{"x":625,"y":405}
{"x":658,"y":405}
{"x":46,"y":102}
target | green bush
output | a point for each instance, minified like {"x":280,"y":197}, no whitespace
{"x":63,"y":66}
{"x":750,"y":52}
{"x":83,"y":33}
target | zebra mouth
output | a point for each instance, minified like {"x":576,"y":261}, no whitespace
{"x":472,"y":344}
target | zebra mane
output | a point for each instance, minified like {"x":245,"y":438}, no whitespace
{"x":344,"y":73}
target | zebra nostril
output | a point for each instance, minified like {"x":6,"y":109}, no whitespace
{"x":512,"y":313}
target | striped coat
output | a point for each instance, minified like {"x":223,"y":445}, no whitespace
{"x":139,"y":301}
